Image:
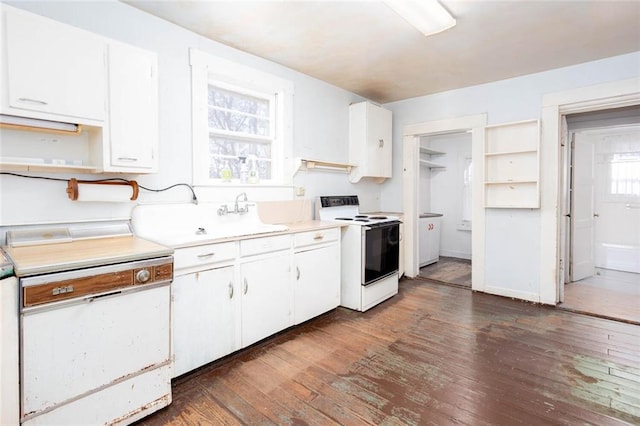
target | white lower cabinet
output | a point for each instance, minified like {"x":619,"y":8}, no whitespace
{"x":317,"y":274}
{"x":204,"y":318}
{"x":231,"y":295}
{"x":267,"y":297}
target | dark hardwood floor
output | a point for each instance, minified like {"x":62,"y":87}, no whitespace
{"x":449,"y":270}
{"x":433,"y":354}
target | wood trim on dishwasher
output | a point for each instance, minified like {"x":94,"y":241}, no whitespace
{"x":95,"y":284}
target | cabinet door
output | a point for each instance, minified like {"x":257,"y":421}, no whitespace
{"x":379,"y":141}
{"x":54,"y":68}
{"x":266,"y":297}
{"x":203,"y":318}
{"x":317,"y":285}
{"x":370,"y":130}
{"x":133,"y":109}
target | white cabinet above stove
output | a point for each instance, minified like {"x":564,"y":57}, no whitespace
{"x":370,"y":131}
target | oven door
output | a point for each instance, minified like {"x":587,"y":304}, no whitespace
{"x":381,"y":249}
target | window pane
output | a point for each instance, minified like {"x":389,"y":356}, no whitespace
{"x":625,"y":174}
{"x":238,"y":112}
{"x":222,"y":149}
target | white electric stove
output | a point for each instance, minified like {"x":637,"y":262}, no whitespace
{"x":370,"y":251}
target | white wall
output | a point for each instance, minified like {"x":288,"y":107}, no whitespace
{"x":512,"y":247}
{"x":320,"y":122}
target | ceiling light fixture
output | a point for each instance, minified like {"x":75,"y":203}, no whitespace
{"x":427,"y":16}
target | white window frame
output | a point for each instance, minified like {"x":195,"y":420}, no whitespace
{"x":208,"y":69}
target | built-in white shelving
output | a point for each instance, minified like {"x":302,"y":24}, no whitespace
{"x":512,"y":165}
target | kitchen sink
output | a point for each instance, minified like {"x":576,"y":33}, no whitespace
{"x":184,"y":224}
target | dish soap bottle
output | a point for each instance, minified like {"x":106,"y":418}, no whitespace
{"x":243,"y":169}
{"x":226,"y":174}
{"x":253,"y":170}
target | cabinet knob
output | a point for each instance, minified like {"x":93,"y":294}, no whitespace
{"x":246,"y":286}
{"x":143,"y":275}
{"x":297,"y":273}
{"x":230,"y":290}
{"x":380,"y":143}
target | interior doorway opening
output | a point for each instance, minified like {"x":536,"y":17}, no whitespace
{"x":445,"y":206}
{"x":413,"y":137}
{"x":602,"y":226}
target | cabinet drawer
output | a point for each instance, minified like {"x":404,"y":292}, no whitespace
{"x":303,"y":239}
{"x":264,"y":245}
{"x":204,"y":255}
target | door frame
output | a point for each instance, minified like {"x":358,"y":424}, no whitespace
{"x":553,"y":227}
{"x":411,"y":165}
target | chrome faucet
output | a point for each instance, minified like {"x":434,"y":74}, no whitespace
{"x":244,"y":209}
{"x":223,"y":210}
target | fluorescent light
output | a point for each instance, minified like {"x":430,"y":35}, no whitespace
{"x":427,"y":16}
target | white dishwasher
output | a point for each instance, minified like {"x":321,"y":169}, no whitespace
{"x":429,"y":236}
{"x":94,"y":323}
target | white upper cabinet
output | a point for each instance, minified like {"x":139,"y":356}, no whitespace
{"x":99,"y":98}
{"x":54,"y":69}
{"x":133,"y":109}
{"x":370,"y":141}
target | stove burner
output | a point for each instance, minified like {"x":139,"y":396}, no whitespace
{"x":343,"y":218}
{"x":362,"y":220}
{"x":361,"y":216}
{"x":377,"y":217}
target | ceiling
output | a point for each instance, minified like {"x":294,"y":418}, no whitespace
{"x":366,"y":48}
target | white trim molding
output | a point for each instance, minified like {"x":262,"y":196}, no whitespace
{"x":411,"y":145}
{"x":554,"y":106}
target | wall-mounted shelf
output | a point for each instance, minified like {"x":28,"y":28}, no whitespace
{"x":305,"y":164}
{"x":431,"y":164}
{"x":424,"y":150}
{"x":36,"y":165}
{"x":512,"y":165}
{"x":430,"y":153}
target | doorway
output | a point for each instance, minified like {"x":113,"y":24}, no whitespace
{"x":603,"y":224}
{"x":445,"y":200}
{"x":413,"y":134}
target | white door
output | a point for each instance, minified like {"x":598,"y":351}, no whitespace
{"x":582,"y":209}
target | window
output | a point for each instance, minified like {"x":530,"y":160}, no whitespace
{"x":624,"y":174}
{"x":241,"y":129}
{"x":240,"y":115}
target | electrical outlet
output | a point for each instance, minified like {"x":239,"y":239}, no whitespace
{"x":300,"y":191}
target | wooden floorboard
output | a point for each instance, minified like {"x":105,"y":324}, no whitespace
{"x":609,"y":294}
{"x":450,"y":270}
{"x":433,"y":354}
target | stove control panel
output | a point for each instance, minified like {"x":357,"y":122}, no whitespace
{"x":339,"y":200}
